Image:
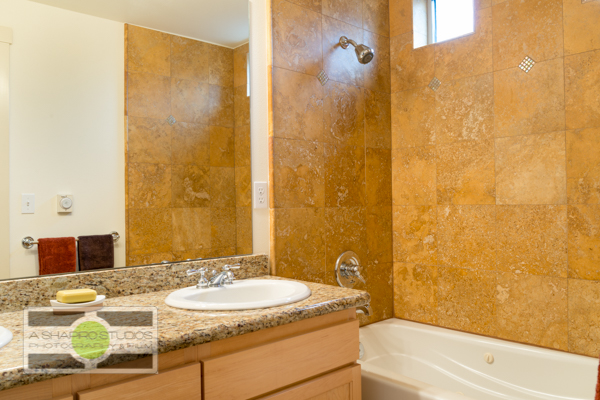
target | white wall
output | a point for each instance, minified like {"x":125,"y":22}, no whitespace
{"x":260,"y":48}
{"x":5,"y":41}
{"x":66,"y":125}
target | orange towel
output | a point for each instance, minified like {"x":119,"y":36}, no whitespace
{"x":57,"y":255}
{"x":598,"y":385}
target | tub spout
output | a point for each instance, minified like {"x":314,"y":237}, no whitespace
{"x":366,"y":309}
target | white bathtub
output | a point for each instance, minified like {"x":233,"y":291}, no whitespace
{"x":405,"y":360}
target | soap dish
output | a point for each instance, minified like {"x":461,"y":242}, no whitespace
{"x":74,"y":308}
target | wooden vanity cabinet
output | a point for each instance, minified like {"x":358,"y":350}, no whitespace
{"x":175,"y":383}
{"x":310,"y":359}
{"x":343,"y":384}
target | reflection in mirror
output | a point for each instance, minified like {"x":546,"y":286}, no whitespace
{"x":130,"y":119}
{"x":188,"y":153}
{"x":436,"y":21}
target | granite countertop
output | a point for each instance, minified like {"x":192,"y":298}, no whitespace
{"x":178,"y":328}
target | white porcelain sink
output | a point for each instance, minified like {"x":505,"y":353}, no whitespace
{"x":242,"y":295}
{"x":5,"y":336}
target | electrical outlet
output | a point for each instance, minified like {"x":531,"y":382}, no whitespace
{"x":261,"y":195}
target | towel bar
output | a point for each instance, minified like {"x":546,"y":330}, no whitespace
{"x":28,"y":242}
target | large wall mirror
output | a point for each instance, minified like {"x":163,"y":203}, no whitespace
{"x":131,"y":117}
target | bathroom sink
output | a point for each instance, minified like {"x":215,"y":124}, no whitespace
{"x":241,"y":295}
{"x":5,"y":337}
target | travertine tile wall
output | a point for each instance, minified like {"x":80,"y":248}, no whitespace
{"x":331,"y":144}
{"x":496,"y":175}
{"x":182,"y":197}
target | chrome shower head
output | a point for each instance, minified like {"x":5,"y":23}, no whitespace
{"x":364,"y":53}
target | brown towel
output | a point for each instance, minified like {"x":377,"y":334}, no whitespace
{"x":598,"y":385}
{"x":57,"y":255}
{"x":96,"y":252}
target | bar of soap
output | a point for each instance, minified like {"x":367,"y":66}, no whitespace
{"x":76,"y":296}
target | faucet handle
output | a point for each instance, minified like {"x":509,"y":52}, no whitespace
{"x":202,"y":282}
{"x":359,"y":276}
{"x":227,"y":269}
{"x":191,"y":272}
{"x":353,"y":271}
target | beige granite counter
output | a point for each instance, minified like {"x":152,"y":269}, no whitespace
{"x":119,"y":282}
{"x":184,"y":328}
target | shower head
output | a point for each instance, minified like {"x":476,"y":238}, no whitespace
{"x":364,"y":53}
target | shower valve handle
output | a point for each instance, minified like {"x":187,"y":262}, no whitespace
{"x":353,"y":270}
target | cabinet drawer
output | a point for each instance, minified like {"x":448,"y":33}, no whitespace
{"x":176,"y":383}
{"x":266,"y":368}
{"x":343,"y":384}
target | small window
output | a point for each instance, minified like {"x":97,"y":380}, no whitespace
{"x":440,"y":20}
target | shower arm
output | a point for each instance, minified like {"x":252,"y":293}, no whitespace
{"x":344,"y":42}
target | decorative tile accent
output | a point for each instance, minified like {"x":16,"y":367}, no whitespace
{"x":435,"y":84}
{"x":323,"y":78}
{"x":527,"y":64}
{"x":171,"y":120}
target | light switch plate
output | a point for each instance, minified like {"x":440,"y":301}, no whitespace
{"x":27,"y":203}
{"x":261,"y":195}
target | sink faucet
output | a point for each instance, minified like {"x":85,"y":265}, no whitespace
{"x":202,"y":282}
{"x":224,"y":277}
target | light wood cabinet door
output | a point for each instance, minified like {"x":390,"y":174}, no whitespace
{"x":54,"y":389}
{"x":263,"y":369}
{"x":343,"y":384}
{"x":176,"y":383}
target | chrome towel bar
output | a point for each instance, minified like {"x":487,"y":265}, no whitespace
{"x":28,"y":242}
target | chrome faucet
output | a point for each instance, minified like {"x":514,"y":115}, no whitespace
{"x":202,"y":282}
{"x":366,"y":309}
{"x":224,"y":277}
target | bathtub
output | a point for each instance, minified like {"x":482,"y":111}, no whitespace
{"x":404,"y":360}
